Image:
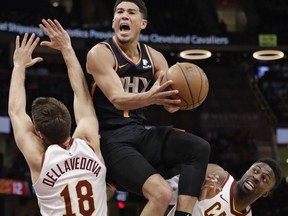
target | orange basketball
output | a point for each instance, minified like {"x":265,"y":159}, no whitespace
{"x":191,"y":82}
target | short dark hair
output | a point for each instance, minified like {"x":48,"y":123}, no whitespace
{"x":52,"y":118}
{"x":274,"y":165}
{"x":139,"y":3}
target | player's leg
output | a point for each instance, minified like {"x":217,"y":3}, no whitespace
{"x":159,"y":194}
{"x":136,"y":175}
{"x":192,"y":154}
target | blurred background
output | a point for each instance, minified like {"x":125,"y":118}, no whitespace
{"x":244,"y":117}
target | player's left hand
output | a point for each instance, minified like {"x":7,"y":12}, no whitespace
{"x":159,"y":94}
{"x":210,"y":187}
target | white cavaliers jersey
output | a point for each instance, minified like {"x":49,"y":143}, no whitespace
{"x":72,"y":181}
{"x":221,"y":204}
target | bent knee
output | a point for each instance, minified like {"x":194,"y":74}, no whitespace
{"x":158,"y":190}
{"x":205,"y":146}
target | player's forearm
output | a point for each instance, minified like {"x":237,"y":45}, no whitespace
{"x":75,"y":72}
{"x":82,"y":98}
{"x":131,"y":101}
{"x":17,"y":93}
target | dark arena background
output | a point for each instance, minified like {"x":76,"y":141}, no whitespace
{"x":244,"y":117}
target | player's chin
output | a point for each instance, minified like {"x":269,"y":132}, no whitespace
{"x":246,"y":191}
{"x":123,"y":35}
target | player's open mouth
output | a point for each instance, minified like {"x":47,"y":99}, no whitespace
{"x":249,"y":185}
{"x":124,"y":27}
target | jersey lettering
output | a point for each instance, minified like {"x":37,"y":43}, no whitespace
{"x":70,"y":165}
{"x":215,"y":207}
{"x":85,"y":199}
{"x":133,"y":86}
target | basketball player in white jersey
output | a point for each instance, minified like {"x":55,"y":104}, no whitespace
{"x":235,"y":197}
{"x":68,"y":172}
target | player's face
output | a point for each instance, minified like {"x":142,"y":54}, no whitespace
{"x":257,"y":181}
{"x":128,"y":22}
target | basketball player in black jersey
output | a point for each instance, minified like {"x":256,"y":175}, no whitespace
{"x":128,"y":77}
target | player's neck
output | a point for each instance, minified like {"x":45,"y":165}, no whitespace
{"x":240,"y":203}
{"x":129,"y":48}
{"x":67,"y":143}
{"x":132,"y":53}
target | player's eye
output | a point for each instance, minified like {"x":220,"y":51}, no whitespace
{"x":265,"y":179}
{"x":255,"y":171}
{"x":119,"y":11}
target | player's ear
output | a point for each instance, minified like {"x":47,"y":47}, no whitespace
{"x":41,"y":135}
{"x":37,"y":132}
{"x":266,"y":194}
{"x":144,"y":23}
{"x":112,"y":23}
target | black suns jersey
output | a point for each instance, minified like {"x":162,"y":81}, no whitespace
{"x":135,"y":77}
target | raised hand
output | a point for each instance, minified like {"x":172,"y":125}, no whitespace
{"x":59,"y":38}
{"x":23,"y":51}
{"x":210,"y":187}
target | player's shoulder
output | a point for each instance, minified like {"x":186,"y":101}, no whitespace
{"x":99,"y":47}
{"x":153,"y":50}
{"x":82,"y":141}
{"x":159,"y":59}
{"x":90,"y":144}
{"x":100,"y":52}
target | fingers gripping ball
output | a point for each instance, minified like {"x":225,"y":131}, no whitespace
{"x":191,"y":82}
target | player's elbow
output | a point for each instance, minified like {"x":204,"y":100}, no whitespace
{"x":117,"y":99}
{"x":12,"y":111}
{"x":117,"y":103}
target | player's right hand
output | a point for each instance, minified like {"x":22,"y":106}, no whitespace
{"x":24,"y":49}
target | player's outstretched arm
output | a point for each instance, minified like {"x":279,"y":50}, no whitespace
{"x":24,"y":133}
{"x":83,"y":105}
